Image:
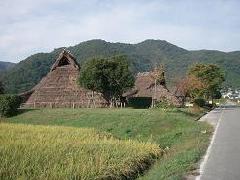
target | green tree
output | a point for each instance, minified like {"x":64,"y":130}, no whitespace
{"x":211,"y":75}
{"x":109,"y":76}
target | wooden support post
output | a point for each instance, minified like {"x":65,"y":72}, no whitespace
{"x":153,"y":103}
{"x":88,"y":103}
{"x":93,"y":99}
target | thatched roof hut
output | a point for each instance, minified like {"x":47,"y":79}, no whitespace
{"x":147,"y":87}
{"x":59,"y":88}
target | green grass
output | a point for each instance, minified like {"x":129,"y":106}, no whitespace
{"x":175,"y":131}
{"x":43,"y":152}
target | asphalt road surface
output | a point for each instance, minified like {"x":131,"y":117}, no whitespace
{"x":222,"y":161}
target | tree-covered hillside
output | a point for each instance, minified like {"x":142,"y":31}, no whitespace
{"x":5,"y":65}
{"x":142,"y":57}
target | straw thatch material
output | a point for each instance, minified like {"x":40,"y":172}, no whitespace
{"x":60,"y":89}
{"x":145,"y":87}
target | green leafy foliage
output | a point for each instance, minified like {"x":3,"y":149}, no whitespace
{"x":209,"y":74}
{"x":9,"y":105}
{"x":143,"y":56}
{"x":164,"y":104}
{"x":200,"y":102}
{"x":217,"y":95}
{"x":111,"y":76}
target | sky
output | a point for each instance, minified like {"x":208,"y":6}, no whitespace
{"x":32,"y":26}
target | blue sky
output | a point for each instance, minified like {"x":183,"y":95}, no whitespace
{"x":31,"y":26}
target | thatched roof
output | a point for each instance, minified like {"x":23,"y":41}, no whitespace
{"x":59,"y":88}
{"x":145,"y":87}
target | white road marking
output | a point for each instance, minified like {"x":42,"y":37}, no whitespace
{"x":206,"y":157}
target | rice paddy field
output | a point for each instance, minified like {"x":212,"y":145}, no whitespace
{"x":102,"y":144}
{"x":43,"y":152}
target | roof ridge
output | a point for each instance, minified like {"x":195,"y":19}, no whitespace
{"x":70,"y":58}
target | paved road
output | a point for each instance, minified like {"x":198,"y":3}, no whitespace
{"x":222,"y":161}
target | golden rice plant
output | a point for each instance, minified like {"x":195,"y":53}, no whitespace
{"x":50,"y":152}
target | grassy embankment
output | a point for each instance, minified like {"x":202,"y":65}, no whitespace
{"x":184,"y":140}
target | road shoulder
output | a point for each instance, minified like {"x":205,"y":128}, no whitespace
{"x":213,"y":117}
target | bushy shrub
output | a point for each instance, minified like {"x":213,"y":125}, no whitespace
{"x":199,"y":102}
{"x":164,"y":103}
{"x":9,"y":105}
{"x":210,"y":106}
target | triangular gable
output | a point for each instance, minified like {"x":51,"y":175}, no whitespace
{"x":65,"y":58}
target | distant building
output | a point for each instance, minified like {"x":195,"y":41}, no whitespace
{"x":147,"y":87}
{"x":231,"y":94}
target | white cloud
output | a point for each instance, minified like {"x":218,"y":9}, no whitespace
{"x":33,"y":26}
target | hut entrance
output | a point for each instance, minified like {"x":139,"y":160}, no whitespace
{"x":140,"y":102}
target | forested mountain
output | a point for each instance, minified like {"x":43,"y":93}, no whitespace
{"x":142,"y":57}
{"x":5,"y":65}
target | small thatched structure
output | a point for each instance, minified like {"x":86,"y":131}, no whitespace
{"x":146,"y":86}
{"x":60,"y":88}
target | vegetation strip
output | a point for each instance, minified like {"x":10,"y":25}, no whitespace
{"x":183,"y":139}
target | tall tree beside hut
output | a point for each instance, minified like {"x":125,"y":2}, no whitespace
{"x":189,"y":86}
{"x":109,"y":76}
{"x":211,"y":75}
